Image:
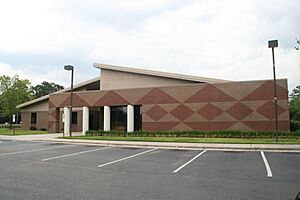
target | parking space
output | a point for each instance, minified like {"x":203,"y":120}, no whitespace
{"x":68,"y":171}
{"x":93,"y":159}
{"x":156,"y":162}
{"x":227,"y":165}
{"x":283,"y":166}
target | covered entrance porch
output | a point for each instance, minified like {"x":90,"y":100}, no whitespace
{"x":121,"y":118}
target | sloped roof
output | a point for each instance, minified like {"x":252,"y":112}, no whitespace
{"x":159,"y":73}
{"x":130,"y":70}
{"x":79,"y":85}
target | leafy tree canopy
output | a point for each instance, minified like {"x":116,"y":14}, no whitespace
{"x":45,"y":88}
{"x":295,"y":104}
{"x":13,"y":91}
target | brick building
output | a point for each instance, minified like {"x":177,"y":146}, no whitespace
{"x":130,"y":99}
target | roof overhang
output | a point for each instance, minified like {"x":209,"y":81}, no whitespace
{"x":46,"y":97}
{"x":159,"y":74}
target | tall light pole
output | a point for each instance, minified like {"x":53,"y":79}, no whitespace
{"x":71,"y":68}
{"x":273,"y":44}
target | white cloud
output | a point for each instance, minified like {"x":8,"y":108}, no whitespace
{"x":56,"y":76}
{"x":36,"y":27}
{"x":7,"y":70}
{"x":217,"y":39}
{"x":221,"y":39}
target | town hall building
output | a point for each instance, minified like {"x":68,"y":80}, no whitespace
{"x":131,"y":99}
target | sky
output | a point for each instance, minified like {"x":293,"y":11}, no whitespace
{"x":219,"y":39}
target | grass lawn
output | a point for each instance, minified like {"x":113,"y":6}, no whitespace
{"x":191,"y":140}
{"x":21,"y":132}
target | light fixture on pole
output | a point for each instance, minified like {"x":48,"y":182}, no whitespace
{"x":70,"y":68}
{"x":273,"y":44}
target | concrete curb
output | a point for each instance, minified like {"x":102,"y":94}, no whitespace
{"x":194,"y":146}
{"x":162,"y":145}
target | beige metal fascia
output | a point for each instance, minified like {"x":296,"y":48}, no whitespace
{"x":159,"y":73}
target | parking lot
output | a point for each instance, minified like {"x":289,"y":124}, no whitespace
{"x":41,"y":170}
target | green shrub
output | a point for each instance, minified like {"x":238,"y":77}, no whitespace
{"x":295,"y":125}
{"x":195,"y":134}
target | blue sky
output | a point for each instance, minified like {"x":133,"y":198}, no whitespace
{"x":219,"y":39}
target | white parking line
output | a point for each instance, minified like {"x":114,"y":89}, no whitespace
{"x":119,"y":160}
{"x":73,"y":154}
{"x":32,"y":150}
{"x":269,"y":172}
{"x":182,"y":166}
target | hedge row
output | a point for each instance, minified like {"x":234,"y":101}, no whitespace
{"x":195,"y":134}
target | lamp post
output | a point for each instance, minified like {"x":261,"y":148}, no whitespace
{"x":70,"y":68}
{"x":273,"y":44}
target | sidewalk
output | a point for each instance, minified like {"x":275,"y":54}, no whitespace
{"x":168,"y":145}
{"x":40,"y":137}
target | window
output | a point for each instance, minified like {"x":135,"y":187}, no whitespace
{"x":33,"y":118}
{"x":137,"y":118}
{"x":74,"y":117}
{"x":118,"y":118}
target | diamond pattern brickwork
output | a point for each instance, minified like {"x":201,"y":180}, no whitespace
{"x":210,"y":111}
{"x":182,"y":112}
{"x":156,"y":112}
{"x":268,"y":110}
{"x":111,"y":98}
{"x":209,"y":94}
{"x":232,"y":105}
{"x":239,"y":111}
{"x":77,"y":101}
{"x":266,"y":92}
{"x":157,"y":96}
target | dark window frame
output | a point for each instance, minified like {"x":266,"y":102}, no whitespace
{"x":118,"y":118}
{"x":74,"y":117}
{"x":138,"y":118}
{"x":33,"y":118}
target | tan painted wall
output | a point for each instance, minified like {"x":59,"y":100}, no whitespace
{"x":42,"y":120}
{"x":40,"y":106}
{"x":25,"y":120}
{"x":111,"y":80}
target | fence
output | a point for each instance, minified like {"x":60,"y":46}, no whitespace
{"x":5,"y":126}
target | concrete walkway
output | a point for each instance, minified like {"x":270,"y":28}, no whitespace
{"x":169,"y":145}
{"x":31,"y":137}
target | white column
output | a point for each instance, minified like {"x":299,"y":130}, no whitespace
{"x":106,"y":118}
{"x":66,"y":121}
{"x":85,"y":119}
{"x":130,"y":118}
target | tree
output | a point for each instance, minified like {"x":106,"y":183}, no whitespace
{"x":45,"y":88}
{"x":13,"y":91}
{"x":295,"y":104}
{"x":297,"y":47}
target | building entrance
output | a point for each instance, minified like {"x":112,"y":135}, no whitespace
{"x":96,"y":115}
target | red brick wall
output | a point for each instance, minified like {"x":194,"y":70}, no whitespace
{"x":233,"y":106}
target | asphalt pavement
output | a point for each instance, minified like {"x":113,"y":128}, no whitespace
{"x":45,"y":170}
